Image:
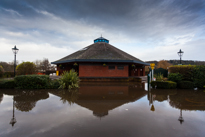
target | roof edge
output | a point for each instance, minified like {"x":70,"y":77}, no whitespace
{"x":100,"y":60}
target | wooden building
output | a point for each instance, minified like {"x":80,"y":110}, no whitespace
{"x":101,"y":59}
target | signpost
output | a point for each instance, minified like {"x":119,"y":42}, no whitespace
{"x":152,"y":65}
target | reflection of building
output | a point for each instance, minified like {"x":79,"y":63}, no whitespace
{"x":103,"y":97}
{"x":101,"y":59}
{"x":1,"y":97}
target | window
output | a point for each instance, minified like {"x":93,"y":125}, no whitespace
{"x":120,"y":67}
{"x":111,"y":67}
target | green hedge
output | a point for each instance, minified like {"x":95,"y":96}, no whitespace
{"x":187,"y":71}
{"x":7,"y":84}
{"x":191,"y":73}
{"x":32,"y":81}
{"x":199,"y":76}
{"x":176,"y":77}
{"x":54,"y":84}
{"x":164,"y":84}
{"x":186,"y":85}
{"x":8,"y":74}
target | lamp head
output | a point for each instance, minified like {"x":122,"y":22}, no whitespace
{"x":15,"y":50}
{"x":180,"y":53}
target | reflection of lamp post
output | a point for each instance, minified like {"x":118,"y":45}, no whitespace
{"x":15,"y":51}
{"x":180,"y":53}
{"x":13,"y":119}
{"x":180,"y":117}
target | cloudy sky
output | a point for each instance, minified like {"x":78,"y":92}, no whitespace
{"x":146,"y":29}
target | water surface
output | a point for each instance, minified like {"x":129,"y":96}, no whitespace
{"x":102,"y":109}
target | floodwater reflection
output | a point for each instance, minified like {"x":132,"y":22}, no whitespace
{"x":102,"y":97}
{"x":102,"y":109}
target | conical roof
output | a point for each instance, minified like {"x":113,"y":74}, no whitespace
{"x":100,"y":52}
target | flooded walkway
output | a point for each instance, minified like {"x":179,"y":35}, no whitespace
{"x":102,"y":109}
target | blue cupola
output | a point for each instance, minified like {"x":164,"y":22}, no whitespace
{"x":101,"y":39}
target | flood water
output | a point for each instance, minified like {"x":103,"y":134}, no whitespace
{"x":102,"y":110}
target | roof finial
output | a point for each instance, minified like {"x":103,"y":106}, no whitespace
{"x":101,"y":35}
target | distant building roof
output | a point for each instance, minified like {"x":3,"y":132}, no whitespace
{"x":100,"y":52}
{"x":101,"y":39}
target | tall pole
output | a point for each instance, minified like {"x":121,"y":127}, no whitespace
{"x":180,"y":60}
{"x":14,"y":65}
{"x":15,"y":51}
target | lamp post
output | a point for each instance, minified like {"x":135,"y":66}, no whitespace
{"x":180,"y":53}
{"x":15,"y":51}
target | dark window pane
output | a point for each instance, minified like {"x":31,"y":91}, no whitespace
{"x":120,"y":67}
{"x":111,"y":67}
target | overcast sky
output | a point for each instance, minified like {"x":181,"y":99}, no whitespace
{"x":146,"y":29}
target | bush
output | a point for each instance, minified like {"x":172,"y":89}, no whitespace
{"x":69,"y":80}
{"x":176,"y":77}
{"x":1,"y":71}
{"x":164,"y":84}
{"x":8,"y":74}
{"x":192,"y":73}
{"x":199,"y":76}
{"x":32,"y":81}
{"x":187,"y":71}
{"x":159,"y":77}
{"x":7,"y":84}
{"x":186,"y":85}
{"x":26,"y":68}
{"x":54,"y":84}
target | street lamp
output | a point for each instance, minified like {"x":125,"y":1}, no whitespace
{"x":180,"y":53}
{"x":15,"y":51}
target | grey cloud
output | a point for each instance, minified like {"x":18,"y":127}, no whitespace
{"x":150,"y":21}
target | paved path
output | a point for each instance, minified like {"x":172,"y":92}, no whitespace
{"x":54,"y":77}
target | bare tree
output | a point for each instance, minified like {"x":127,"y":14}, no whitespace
{"x":45,"y":65}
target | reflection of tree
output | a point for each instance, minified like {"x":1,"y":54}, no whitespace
{"x":70,"y":97}
{"x":66,"y":95}
{"x":26,"y":100}
{"x":162,"y":95}
{"x":161,"y":98}
{"x":1,"y":97}
{"x":188,"y":100}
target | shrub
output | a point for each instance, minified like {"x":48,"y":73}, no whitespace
{"x":159,"y":77}
{"x":186,"y":85}
{"x":199,"y":76}
{"x":164,"y":84}
{"x":8,"y":74}
{"x":7,"y":84}
{"x":192,"y":73}
{"x":69,"y":80}
{"x":176,"y":77}
{"x":187,"y":71}
{"x":26,"y":68}
{"x":1,"y":71}
{"x":32,"y":81}
{"x":54,"y":84}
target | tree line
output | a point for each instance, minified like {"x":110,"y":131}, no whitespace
{"x":40,"y":65}
{"x":176,"y":62}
